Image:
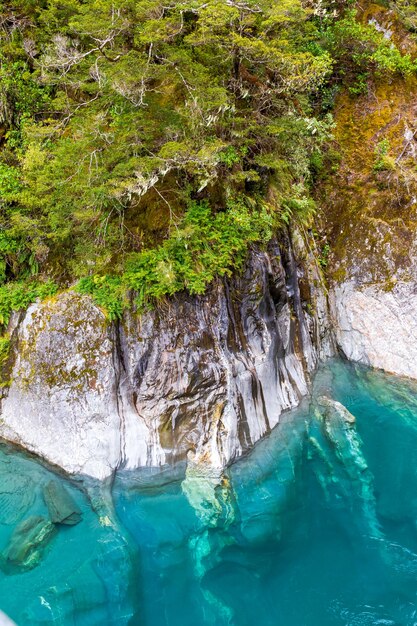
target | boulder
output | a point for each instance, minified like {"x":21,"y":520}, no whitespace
{"x":62,"y":508}
{"x":27,"y":543}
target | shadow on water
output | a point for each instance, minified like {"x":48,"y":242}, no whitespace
{"x":317,"y":526}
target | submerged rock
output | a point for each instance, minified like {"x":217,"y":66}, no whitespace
{"x":82,"y":592}
{"x":16,"y":497}
{"x":62,"y":508}
{"x":27,"y":543}
{"x":335,"y":449}
{"x":208,"y":375}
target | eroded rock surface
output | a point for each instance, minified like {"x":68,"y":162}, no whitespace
{"x":203,"y":377}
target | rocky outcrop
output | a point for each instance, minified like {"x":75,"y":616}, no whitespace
{"x":377,"y":326}
{"x":202,"y":377}
{"x":369,"y":215}
{"x":62,"y":401}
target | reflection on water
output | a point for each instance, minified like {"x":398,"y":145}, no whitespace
{"x":316,"y":527}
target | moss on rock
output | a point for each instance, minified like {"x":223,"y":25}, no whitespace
{"x":369,"y":212}
{"x":63,"y":342}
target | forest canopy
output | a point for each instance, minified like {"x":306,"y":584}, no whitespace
{"x":146,"y":145}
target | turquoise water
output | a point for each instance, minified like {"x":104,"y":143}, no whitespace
{"x":316,"y":527}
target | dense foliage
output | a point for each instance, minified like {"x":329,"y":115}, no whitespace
{"x":146,"y":145}
{"x":204,"y":246}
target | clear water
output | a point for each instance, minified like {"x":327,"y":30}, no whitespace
{"x":316,"y":527}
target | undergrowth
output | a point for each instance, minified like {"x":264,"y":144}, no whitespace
{"x":202,"y":247}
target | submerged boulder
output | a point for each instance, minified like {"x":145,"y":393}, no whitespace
{"x":335,"y":451}
{"x":62,"y":508}
{"x":27,"y":543}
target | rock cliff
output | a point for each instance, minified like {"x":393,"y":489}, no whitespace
{"x":370,"y":217}
{"x":201,"y":377}
{"x":206,"y":377}
{"x":377,"y":327}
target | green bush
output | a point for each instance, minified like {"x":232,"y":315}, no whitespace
{"x":360,"y":50}
{"x":203,"y":246}
{"x":112,"y":111}
{"x":4,"y":350}
{"x":116,"y":115}
{"x":108,"y":292}
{"x":15,"y":296}
{"x":383,"y":160}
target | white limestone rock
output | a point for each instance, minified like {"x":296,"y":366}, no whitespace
{"x":62,"y":402}
{"x":377,"y":326}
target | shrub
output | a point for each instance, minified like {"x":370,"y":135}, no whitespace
{"x":15,"y":296}
{"x":202,"y":247}
{"x":383,"y":161}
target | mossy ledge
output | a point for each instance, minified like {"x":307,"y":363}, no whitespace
{"x":368,"y":206}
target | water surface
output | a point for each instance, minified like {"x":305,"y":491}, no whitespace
{"x":316,"y":527}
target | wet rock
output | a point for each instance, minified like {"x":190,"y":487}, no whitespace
{"x":62,"y":508}
{"x":27,"y":543}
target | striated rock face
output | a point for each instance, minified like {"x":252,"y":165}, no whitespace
{"x":201,"y":377}
{"x":212,"y":375}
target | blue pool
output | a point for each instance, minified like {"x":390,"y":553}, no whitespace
{"x":316,"y":527}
